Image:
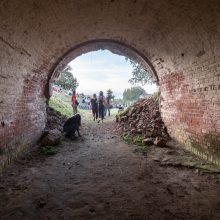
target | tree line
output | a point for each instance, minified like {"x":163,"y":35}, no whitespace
{"x":139,"y":77}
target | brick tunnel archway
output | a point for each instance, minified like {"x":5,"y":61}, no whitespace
{"x":180,"y":39}
{"x":114,"y":46}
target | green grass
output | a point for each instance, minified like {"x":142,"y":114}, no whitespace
{"x":48,"y":150}
{"x":62,"y":103}
{"x":127,"y":138}
{"x":137,"y":140}
{"x":122,"y":112}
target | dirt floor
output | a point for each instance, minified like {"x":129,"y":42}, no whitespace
{"x":99,"y":176}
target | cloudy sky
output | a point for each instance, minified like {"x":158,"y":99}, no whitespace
{"x":103,"y":70}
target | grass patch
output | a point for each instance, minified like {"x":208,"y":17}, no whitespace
{"x":127,"y":138}
{"x":141,"y":147}
{"x":48,"y":150}
{"x":138,"y":140}
{"x":122,"y":112}
{"x":60,"y":103}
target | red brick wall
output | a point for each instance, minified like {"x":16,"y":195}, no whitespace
{"x":191,"y":107}
{"x":22,"y":114}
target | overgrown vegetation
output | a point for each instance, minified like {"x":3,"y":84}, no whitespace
{"x":156,"y":96}
{"x":133,"y":93}
{"x":137,"y":140}
{"x":48,"y":150}
{"x":139,"y":75}
{"x":127,"y":138}
{"x":62,"y":104}
{"x":66,"y":79}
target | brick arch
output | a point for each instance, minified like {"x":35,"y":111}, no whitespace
{"x":114,"y":46}
{"x":181,"y":40}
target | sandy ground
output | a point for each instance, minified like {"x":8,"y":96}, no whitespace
{"x":99,"y":176}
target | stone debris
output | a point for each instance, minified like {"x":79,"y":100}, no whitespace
{"x":148,"y":141}
{"x":143,"y":118}
{"x":54,"y":128}
{"x":54,"y":120}
{"x":51,"y":137}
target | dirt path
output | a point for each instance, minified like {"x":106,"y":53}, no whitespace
{"x":101,"y":177}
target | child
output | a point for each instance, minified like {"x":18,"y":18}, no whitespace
{"x":94,"y":104}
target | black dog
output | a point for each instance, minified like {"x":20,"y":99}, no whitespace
{"x":71,"y":126}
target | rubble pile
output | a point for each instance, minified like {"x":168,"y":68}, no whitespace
{"x":143,"y":118}
{"x":54,"y":128}
{"x":55,"y":120}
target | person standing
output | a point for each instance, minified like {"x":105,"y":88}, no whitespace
{"x":94,"y":104}
{"x":101,"y":104}
{"x":107,"y":105}
{"x":74,"y":102}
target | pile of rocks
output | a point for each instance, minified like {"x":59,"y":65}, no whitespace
{"x":144,"y":118}
{"x":54,"y":128}
{"x":55,"y":119}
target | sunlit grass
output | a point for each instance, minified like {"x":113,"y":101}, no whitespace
{"x":62,"y":103}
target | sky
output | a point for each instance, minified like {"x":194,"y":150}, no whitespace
{"x":102,"y":70}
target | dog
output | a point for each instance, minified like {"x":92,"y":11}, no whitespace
{"x":71,"y":126}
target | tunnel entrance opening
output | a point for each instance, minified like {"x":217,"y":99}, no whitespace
{"x":112,"y":50}
{"x":100,"y":71}
{"x":115,"y":47}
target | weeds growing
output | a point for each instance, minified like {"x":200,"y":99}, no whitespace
{"x":48,"y":150}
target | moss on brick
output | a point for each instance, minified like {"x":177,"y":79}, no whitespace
{"x":213,"y":142}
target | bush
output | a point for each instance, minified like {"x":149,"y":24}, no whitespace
{"x":156,"y":96}
{"x":138,"y":140}
{"x":48,"y":150}
{"x":127,"y":138}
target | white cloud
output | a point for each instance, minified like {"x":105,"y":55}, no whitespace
{"x":103,"y":70}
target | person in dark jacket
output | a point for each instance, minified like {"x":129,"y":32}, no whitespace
{"x":101,"y":102}
{"x":71,"y":126}
{"x":94,"y":104}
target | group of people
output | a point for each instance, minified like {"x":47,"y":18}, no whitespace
{"x":100,"y":105}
